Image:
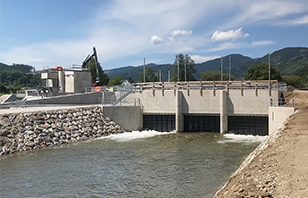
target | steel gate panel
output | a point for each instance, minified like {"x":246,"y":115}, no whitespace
{"x":248,"y":125}
{"x":159,"y":122}
{"x":204,"y":123}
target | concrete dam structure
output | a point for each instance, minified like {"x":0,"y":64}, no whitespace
{"x":240,"y":107}
{"x":234,"y":107}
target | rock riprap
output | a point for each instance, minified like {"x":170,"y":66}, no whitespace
{"x":34,"y":130}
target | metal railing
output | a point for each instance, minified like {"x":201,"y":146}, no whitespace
{"x":282,"y":102}
{"x":120,"y":95}
{"x":126,"y":102}
{"x":206,"y":85}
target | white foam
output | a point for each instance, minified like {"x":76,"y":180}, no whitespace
{"x":128,"y":136}
{"x":246,"y":139}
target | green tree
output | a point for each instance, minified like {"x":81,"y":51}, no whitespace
{"x":115,"y":81}
{"x":214,"y":76}
{"x":260,"y":72}
{"x":15,"y":77}
{"x":293,"y":80}
{"x":181,"y":64}
{"x":304,"y":77}
{"x":150,"y":76}
{"x":3,"y":88}
{"x":103,"y":78}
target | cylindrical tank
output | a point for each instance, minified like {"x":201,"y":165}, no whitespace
{"x":61,"y":81}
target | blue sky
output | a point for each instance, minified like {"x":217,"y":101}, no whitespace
{"x":48,"y":33}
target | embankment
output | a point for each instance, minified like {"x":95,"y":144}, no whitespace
{"x":277,"y":168}
{"x":34,"y":130}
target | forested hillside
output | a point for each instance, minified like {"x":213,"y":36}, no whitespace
{"x":15,"y":77}
{"x":289,"y":61}
{"x":18,"y":67}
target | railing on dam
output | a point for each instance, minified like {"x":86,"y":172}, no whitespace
{"x":207,"y":85}
{"x":199,"y":85}
{"x":127,"y":102}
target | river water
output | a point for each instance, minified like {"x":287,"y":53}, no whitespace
{"x":137,"y":164}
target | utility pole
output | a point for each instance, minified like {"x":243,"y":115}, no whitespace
{"x":143,"y":70}
{"x":168,"y":74}
{"x":221,"y":70}
{"x":229,"y":67}
{"x":185,"y":66}
{"x":178,"y":69}
{"x":269,"y":66}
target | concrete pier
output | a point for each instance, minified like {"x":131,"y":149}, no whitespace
{"x":179,"y":118}
{"x":223,"y":112}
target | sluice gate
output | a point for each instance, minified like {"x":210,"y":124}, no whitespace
{"x":204,"y":123}
{"x":237,"y":124}
{"x":159,"y":122}
{"x":248,"y":125}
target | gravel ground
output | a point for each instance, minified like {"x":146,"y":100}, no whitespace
{"x":279,"y":167}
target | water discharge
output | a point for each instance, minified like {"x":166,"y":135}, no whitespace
{"x":133,"y":164}
{"x":135,"y":135}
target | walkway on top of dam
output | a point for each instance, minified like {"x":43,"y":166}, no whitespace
{"x":41,"y":108}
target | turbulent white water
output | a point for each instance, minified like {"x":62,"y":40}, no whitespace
{"x":128,"y":136}
{"x":245,"y":139}
{"x":226,"y":138}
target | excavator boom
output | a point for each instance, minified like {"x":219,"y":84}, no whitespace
{"x":88,"y":59}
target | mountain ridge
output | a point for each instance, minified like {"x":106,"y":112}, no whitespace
{"x":289,"y":61}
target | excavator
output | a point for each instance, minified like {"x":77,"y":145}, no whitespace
{"x":85,"y":66}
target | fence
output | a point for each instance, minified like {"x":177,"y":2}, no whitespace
{"x":207,"y":85}
{"x":283,"y":102}
{"x":127,"y":102}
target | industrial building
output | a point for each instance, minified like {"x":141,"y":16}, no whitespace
{"x":60,"y":81}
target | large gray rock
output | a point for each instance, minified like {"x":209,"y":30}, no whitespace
{"x":4,"y":121}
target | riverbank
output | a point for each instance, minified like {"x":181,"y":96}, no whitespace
{"x":278,"y":168}
{"x":33,"y":130}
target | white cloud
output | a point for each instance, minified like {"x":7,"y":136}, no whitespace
{"x":231,"y":35}
{"x":270,"y":12}
{"x":228,"y":46}
{"x":121,"y":29}
{"x":262,"y":43}
{"x":156,"y":40}
{"x":298,"y":21}
{"x":201,"y":59}
{"x":178,"y":33}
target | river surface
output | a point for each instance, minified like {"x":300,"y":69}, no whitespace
{"x":137,"y":164}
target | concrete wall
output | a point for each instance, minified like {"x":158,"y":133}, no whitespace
{"x":128,"y":117}
{"x":77,"y":81}
{"x":155,"y":102}
{"x":238,"y":102}
{"x":82,"y":98}
{"x":250,"y":101}
{"x":277,"y":115}
{"x":208,"y":102}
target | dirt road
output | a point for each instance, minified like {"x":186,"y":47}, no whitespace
{"x":280,"y":167}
